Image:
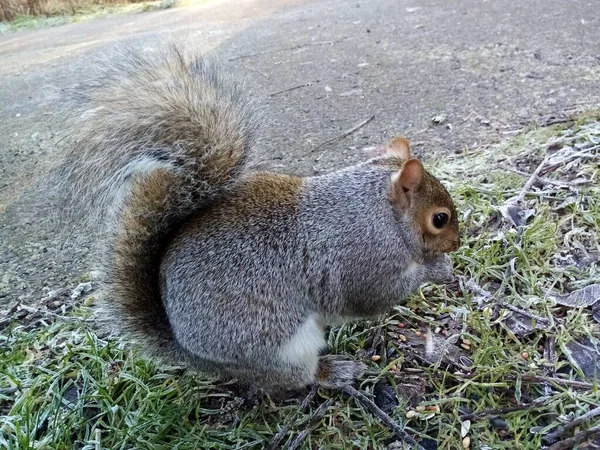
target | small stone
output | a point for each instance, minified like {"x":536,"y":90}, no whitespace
{"x":434,"y":408}
{"x":402,"y":338}
{"x":465,"y":346}
{"x":411,"y":414}
{"x":418,"y":333}
{"x":439,"y":119}
{"x":375,"y":358}
{"x":466,"y":442}
{"x":467,"y":341}
{"x":420,"y":408}
{"x":525,"y":355}
{"x":437,"y":330}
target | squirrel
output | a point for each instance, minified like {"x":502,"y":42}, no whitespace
{"x":223,"y":269}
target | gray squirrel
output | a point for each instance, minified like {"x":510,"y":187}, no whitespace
{"x":232,"y":271}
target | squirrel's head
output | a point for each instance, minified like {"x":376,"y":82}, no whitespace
{"x":419,"y":194}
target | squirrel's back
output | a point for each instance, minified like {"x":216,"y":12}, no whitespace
{"x":154,"y":138}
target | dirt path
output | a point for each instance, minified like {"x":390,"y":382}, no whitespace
{"x":485,"y":66}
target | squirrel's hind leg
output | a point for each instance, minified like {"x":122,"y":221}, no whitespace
{"x":331,"y":372}
{"x":335,"y":372}
{"x":296,"y":363}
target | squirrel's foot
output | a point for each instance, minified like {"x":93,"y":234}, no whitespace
{"x":334,"y":372}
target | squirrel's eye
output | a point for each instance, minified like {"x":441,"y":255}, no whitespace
{"x":440,"y":220}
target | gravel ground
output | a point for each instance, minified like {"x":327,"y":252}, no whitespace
{"x":482,"y":69}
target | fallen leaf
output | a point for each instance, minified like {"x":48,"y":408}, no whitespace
{"x":585,"y":355}
{"x":586,"y":296}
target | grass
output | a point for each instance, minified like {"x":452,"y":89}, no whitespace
{"x":83,"y":13}
{"x":65,"y":385}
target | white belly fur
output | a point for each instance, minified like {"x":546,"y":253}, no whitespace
{"x":304,"y":346}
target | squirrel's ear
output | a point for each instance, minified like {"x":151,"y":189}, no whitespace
{"x":399,"y":147}
{"x":407,"y":181}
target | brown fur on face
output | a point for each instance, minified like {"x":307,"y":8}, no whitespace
{"x":416,"y":191}
{"x":432,"y":198}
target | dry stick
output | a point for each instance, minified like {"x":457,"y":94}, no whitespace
{"x":559,"y":381}
{"x":386,"y":419}
{"x":570,"y":443}
{"x":532,"y":178}
{"x":500,"y":412}
{"x":294,"y":47}
{"x":537,"y":379}
{"x":583,"y":153}
{"x":298,"y":86}
{"x":41,"y":312}
{"x":343,"y":135}
{"x":474,"y":287}
{"x":314,"y":420}
{"x":562,"y":430}
{"x":543,"y":180}
{"x":281,"y":433}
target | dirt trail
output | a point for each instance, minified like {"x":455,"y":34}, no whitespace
{"x":485,"y":66}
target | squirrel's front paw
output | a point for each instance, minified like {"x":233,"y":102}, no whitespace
{"x":440,"y":269}
{"x":335,"y":372}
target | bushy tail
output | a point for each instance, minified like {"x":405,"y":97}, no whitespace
{"x":157,"y":137}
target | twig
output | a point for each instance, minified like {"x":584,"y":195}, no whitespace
{"x":559,"y":381}
{"x":284,"y":430}
{"x":534,"y":176}
{"x":551,"y":437}
{"x":474,"y":287}
{"x":41,"y":312}
{"x":298,"y":86}
{"x":387,"y":420}
{"x":580,"y":437}
{"x":557,"y":183}
{"x":314,"y":420}
{"x":523,"y":312}
{"x":262,"y":73}
{"x":500,"y":412}
{"x":583,"y":153}
{"x":536,"y":379}
{"x":342,"y":135}
{"x":293,"y":47}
